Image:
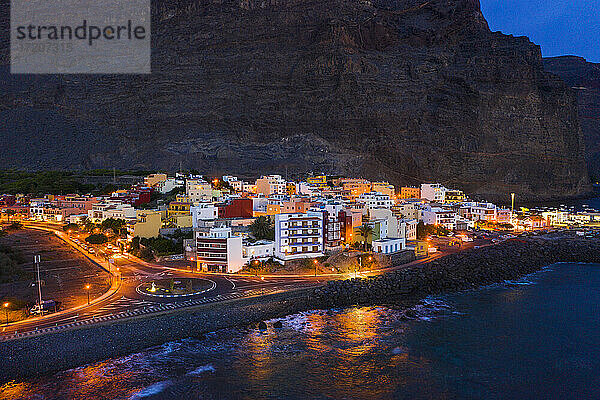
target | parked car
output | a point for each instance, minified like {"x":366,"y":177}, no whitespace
{"x":45,"y":307}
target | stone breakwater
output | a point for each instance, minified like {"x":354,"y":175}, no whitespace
{"x":465,"y":270}
{"x":68,"y":349}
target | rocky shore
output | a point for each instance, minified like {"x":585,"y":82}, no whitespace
{"x":465,"y":270}
{"x":469,"y":269}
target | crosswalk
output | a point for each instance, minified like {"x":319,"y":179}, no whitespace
{"x":144,"y":308}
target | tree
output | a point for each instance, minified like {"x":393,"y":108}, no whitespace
{"x":146,"y":254}
{"x":262,"y":228}
{"x":70,"y":227}
{"x":365,"y":231}
{"x":425,"y":230}
{"x":89,"y":226}
{"x":134,"y":247}
{"x":117,"y":225}
{"x":97,"y":238}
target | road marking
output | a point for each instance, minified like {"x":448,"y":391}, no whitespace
{"x":156,"y":307}
{"x":232,"y":282}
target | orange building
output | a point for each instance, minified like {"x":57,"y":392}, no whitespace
{"x":355,"y":187}
{"x":407,"y":192}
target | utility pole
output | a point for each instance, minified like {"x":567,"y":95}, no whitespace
{"x":36,"y":260}
{"x":512,"y":207}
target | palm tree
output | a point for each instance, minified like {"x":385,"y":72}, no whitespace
{"x":261,"y":228}
{"x":365,"y":231}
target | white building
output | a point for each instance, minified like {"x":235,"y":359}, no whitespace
{"x":203,"y":212}
{"x":111,"y":209}
{"x":407,"y":210}
{"x":168,"y":185}
{"x":307,"y":189}
{"x":219,"y":250}
{"x":259,"y":250}
{"x":408,"y":228}
{"x":298,"y":235}
{"x":480,"y":211}
{"x":434,"y":192}
{"x":440,"y":216}
{"x":374,"y":200}
{"x":389,"y":245}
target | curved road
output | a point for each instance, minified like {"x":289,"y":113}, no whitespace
{"x":123,"y":301}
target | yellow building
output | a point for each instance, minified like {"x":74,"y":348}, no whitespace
{"x":181,"y":221}
{"x":454,"y":196}
{"x":178,"y":208}
{"x":154,"y":179}
{"x":384,"y":188}
{"x":407,"y":192}
{"x":319,"y":181}
{"x":291,"y":188}
{"x":148,"y":223}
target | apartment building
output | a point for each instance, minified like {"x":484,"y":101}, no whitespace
{"x":354,"y":187}
{"x":440,"y":216}
{"x":219,"y":250}
{"x":153,"y":180}
{"x":434,"y":192}
{"x":384,"y":188}
{"x":408,"y":192}
{"x":147,"y":224}
{"x":298,"y":235}
{"x":270,"y":185}
{"x":198,"y":190}
{"x":203,"y":212}
{"x":374,"y":200}
{"x":111,"y":209}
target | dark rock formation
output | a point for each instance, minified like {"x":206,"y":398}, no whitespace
{"x":465,"y":270}
{"x":403,"y":90}
{"x":584,"y":78}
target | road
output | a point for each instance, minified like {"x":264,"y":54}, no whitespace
{"x":124,"y":301}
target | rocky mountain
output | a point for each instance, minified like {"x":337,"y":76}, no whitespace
{"x":403,"y":90}
{"x":584,"y":78}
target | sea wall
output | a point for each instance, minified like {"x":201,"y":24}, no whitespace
{"x":509,"y":260}
{"x":464,"y":270}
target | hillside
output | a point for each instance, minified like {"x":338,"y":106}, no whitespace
{"x":405,"y":90}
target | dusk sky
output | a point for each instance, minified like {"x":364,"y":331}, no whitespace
{"x":560,"y":27}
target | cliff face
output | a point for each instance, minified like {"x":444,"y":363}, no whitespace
{"x":403,"y":90}
{"x":584,"y":78}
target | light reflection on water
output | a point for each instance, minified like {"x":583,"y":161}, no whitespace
{"x":521,"y":340}
{"x":341,"y":354}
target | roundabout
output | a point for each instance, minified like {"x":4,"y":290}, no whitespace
{"x":176,"y":287}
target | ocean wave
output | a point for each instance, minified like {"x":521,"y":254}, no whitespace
{"x":200,"y":370}
{"x":151,"y":390}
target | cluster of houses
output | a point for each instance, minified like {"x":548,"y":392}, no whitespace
{"x":309,"y":218}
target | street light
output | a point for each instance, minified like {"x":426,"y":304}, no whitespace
{"x":87,"y":287}
{"x":6,"y":310}
{"x":316,"y":263}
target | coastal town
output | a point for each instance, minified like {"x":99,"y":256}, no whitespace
{"x":228,"y":225}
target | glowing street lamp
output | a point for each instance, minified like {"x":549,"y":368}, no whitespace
{"x":6,"y":310}
{"x":87,"y":287}
{"x":316,"y":263}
